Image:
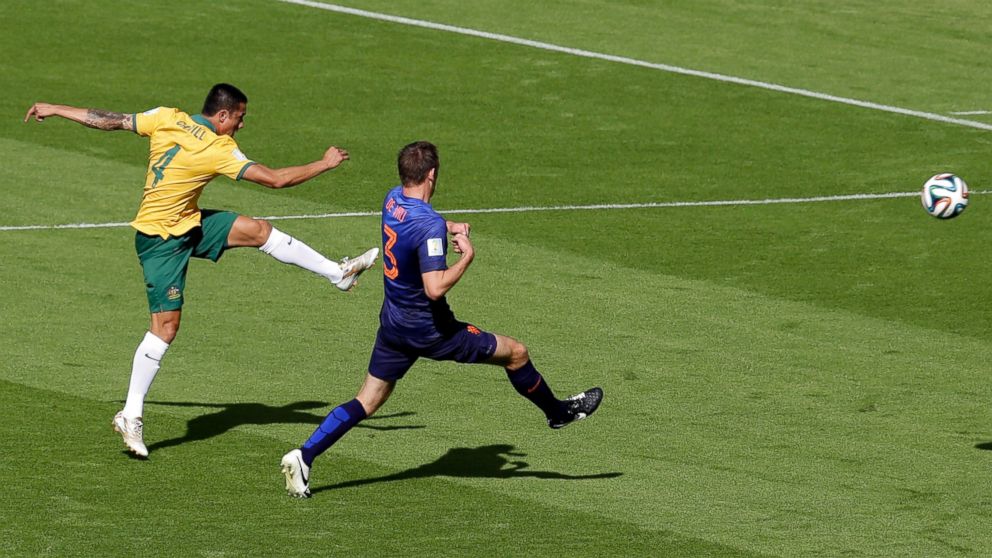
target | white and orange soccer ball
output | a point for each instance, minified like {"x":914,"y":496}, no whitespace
{"x":944,"y":196}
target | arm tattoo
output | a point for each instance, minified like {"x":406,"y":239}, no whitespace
{"x":106,"y":120}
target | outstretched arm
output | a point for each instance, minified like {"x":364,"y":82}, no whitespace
{"x":91,"y":118}
{"x":291,"y":176}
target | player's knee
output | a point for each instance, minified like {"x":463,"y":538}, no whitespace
{"x":518,"y":355}
{"x":169,"y":335}
{"x":373,"y":394}
{"x":166,"y":330}
{"x":262,"y":230}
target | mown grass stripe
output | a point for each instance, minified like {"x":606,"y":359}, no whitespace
{"x":641,"y":63}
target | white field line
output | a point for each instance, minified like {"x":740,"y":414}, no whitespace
{"x":971,"y":112}
{"x":635,"y":62}
{"x":526,"y":209}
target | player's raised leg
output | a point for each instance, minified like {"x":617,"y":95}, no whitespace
{"x":513,"y":356}
{"x":296,"y":464}
{"x":260,"y":234}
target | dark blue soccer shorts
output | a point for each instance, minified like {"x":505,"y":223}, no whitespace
{"x":392,"y":356}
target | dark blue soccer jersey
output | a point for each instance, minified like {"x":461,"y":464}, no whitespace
{"x":414,"y":240}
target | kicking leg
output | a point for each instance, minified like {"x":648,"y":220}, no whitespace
{"x":260,"y":234}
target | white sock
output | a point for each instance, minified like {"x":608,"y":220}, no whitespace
{"x":147,"y":360}
{"x":289,"y":250}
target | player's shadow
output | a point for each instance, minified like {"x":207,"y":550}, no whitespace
{"x":483,"y":462}
{"x":230,"y":415}
{"x":987,"y":446}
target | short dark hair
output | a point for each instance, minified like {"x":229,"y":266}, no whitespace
{"x":223,"y":96}
{"x":416,"y":160}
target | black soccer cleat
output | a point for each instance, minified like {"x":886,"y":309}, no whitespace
{"x":578,"y":407}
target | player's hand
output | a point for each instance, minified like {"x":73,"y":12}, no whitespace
{"x":458,"y":228}
{"x":334,"y":156}
{"x":40,"y":111}
{"x":462,"y":245}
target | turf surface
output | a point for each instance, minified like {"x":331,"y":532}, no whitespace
{"x":780,"y":380}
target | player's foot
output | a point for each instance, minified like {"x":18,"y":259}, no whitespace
{"x":297,"y":474}
{"x":130,"y":430}
{"x":578,"y":407}
{"x":353,"y":267}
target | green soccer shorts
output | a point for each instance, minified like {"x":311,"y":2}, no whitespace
{"x":164,"y":261}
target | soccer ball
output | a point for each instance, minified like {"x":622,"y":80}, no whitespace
{"x":944,"y":196}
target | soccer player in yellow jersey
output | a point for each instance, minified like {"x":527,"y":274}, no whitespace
{"x":187,"y":152}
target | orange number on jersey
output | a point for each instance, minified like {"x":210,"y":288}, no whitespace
{"x":390,"y":272}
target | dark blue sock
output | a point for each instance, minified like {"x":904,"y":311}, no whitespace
{"x":529,"y":383}
{"x":337,"y":424}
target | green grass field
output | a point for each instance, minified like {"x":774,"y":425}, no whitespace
{"x":805,"y":379}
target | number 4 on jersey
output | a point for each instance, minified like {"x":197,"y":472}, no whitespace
{"x":159,"y":167}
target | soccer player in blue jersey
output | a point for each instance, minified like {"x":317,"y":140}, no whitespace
{"x":415,"y":320}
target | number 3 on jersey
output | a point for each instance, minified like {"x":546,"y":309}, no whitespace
{"x":391,"y":271}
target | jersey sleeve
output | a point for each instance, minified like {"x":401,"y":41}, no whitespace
{"x":230,"y":161}
{"x":145,"y":123}
{"x":433,"y":247}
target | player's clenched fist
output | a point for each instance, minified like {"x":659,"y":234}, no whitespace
{"x":462,"y":245}
{"x":334,"y":156}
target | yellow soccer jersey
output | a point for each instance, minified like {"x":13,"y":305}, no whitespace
{"x":184,"y":155}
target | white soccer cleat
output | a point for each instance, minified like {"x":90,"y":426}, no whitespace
{"x":297,"y":474}
{"x":131,"y":431}
{"x":352,"y":268}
